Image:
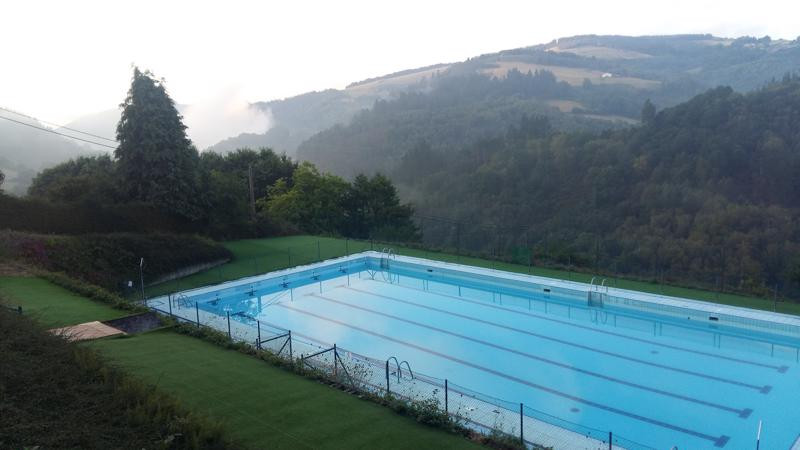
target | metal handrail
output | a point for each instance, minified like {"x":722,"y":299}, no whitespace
{"x":409,"y":368}
{"x":397,"y":363}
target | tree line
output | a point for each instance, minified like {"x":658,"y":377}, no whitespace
{"x":238,"y":194}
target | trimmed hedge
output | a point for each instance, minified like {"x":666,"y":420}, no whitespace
{"x":110,"y":260}
{"x":39,"y":216}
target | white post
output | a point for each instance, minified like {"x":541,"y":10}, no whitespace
{"x":758,"y":437}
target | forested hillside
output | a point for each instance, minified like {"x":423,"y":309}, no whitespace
{"x":610,"y":77}
{"x":705,"y":191}
{"x":456,"y":113}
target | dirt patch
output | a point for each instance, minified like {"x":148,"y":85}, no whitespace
{"x":137,"y":323}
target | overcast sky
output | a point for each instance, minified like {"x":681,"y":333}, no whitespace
{"x":64,"y":59}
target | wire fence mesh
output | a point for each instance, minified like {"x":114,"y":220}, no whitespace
{"x":464,"y":406}
{"x":483,"y":246}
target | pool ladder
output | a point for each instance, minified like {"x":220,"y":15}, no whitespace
{"x":596,"y":294}
{"x":386,"y":254}
{"x":399,"y":366}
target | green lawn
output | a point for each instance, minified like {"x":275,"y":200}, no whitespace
{"x":264,"y":406}
{"x":261,"y":406}
{"x":52,"y":305}
{"x":256,"y":256}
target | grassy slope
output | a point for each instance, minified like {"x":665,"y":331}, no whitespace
{"x":254,"y":256}
{"x":51,"y":305}
{"x":262,"y":406}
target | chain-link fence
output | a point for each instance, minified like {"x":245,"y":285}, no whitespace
{"x":511,"y":249}
{"x":396,"y":379}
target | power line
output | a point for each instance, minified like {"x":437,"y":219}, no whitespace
{"x":56,"y":132}
{"x":56,"y":125}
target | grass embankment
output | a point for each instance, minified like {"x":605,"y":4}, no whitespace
{"x":256,"y":256}
{"x":260,"y":406}
{"x":51,"y":305}
{"x":55,"y":394}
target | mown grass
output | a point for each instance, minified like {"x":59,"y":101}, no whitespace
{"x":265,"y":406}
{"x":256,"y":256}
{"x":51,"y":305}
{"x":258,"y":405}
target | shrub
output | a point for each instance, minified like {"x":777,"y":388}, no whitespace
{"x":63,"y":395}
{"x":109,"y":260}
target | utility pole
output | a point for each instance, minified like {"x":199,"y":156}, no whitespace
{"x":252,"y":192}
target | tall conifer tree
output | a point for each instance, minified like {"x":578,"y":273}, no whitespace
{"x":156,"y":161}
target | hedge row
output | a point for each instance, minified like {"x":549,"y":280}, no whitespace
{"x":39,"y":216}
{"x":111,"y":260}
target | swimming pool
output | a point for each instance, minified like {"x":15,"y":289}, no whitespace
{"x":659,"y":371}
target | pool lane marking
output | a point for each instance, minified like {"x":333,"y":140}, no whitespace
{"x":719,"y":441}
{"x":762,"y":389}
{"x":780,"y":369}
{"x":743,"y":413}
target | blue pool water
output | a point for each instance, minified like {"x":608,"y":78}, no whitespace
{"x":659,"y":375}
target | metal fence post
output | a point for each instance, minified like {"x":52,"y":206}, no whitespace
{"x":521,"y":434}
{"x":290,"y":346}
{"x":446,"y":406}
{"x":258,"y":326}
{"x":346,"y":247}
{"x":319,"y":254}
{"x":169,"y":301}
{"x":775,"y":299}
{"x":289,"y":252}
{"x":335,"y":355}
{"x":388,"y":391}
{"x":228,"y":315}
{"x":610,"y":440}
{"x":197,"y":313}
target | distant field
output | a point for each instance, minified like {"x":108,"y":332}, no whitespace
{"x":612,"y":118}
{"x":394,"y":82}
{"x":591,"y":51}
{"x":565,"y":106}
{"x":572,"y":75}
